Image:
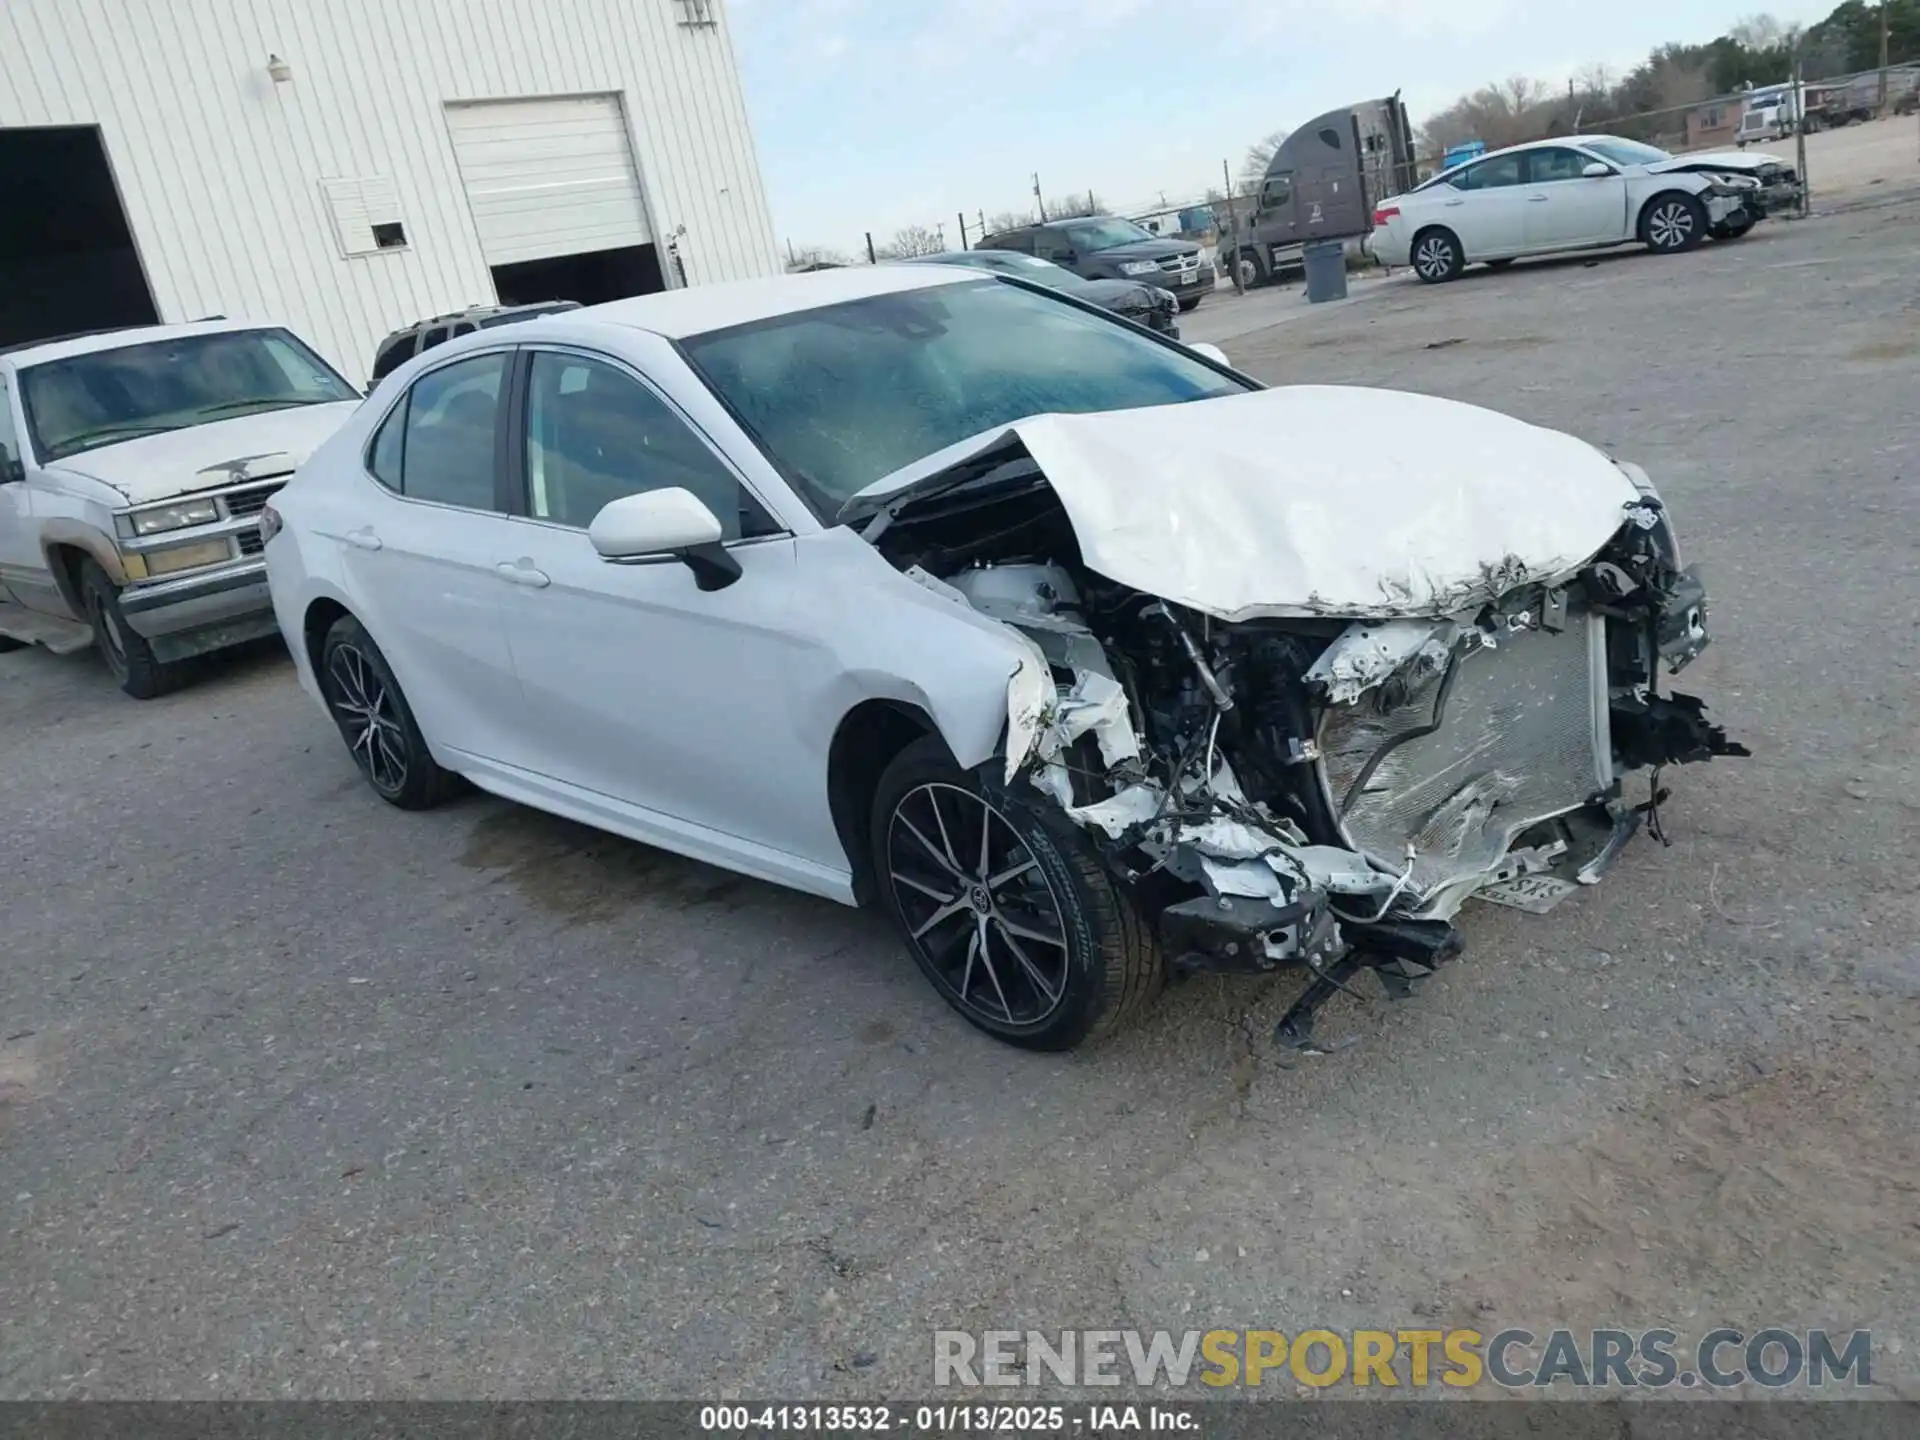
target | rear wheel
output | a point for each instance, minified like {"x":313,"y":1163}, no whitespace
{"x":1673,"y":222}
{"x":1437,"y":256}
{"x":366,"y":702}
{"x":129,"y":658}
{"x":1005,"y":905}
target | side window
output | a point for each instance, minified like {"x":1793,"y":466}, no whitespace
{"x":1276,"y":191}
{"x":1494,"y":174}
{"x":594,"y":434}
{"x":389,"y":445}
{"x":1017,"y":240}
{"x":438,"y":335}
{"x":393,"y":354}
{"x":1545,"y":167}
{"x":10,"y":459}
{"x":1053,"y":244}
{"x":447,"y":434}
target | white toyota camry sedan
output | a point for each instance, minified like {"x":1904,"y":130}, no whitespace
{"x":1581,"y":193}
{"x":1080,"y":653}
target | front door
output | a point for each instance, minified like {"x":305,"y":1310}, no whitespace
{"x":1567,"y":207}
{"x":641,"y":686}
{"x":23,"y":571}
{"x":423,"y":559}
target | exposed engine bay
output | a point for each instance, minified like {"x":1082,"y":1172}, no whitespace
{"x":1321,"y":790}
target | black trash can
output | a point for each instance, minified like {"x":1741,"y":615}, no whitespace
{"x":1326,"y":264}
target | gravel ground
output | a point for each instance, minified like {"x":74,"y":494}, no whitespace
{"x":301,"y":1096}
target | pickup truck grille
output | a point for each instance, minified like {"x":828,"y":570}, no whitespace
{"x":252,"y":499}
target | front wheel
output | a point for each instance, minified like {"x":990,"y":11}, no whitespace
{"x":130,"y":659}
{"x":375,"y":720}
{"x":1192,"y":303}
{"x":1437,"y":256}
{"x":1672,"y":223}
{"x":1005,"y":905}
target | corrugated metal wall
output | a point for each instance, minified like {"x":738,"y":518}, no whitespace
{"x":221,"y":167}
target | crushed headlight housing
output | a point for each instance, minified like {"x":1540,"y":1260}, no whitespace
{"x":158,"y":519}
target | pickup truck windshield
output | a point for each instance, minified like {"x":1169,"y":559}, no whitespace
{"x":87,"y":401}
{"x":840,"y":396}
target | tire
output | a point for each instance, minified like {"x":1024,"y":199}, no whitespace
{"x":1078,"y":962}
{"x":1498,"y":264}
{"x":1252,"y":271}
{"x":1436,"y":256}
{"x":1672,"y":222}
{"x":128,"y":656}
{"x":1191,"y":304}
{"x":376,"y":722}
{"x":1733,"y":229}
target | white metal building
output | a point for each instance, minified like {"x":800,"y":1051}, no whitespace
{"x":350,"y":166}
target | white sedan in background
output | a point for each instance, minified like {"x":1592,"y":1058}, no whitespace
{"x":1581,"y":193}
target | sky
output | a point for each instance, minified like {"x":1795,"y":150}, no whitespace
{"x":876,"y":114}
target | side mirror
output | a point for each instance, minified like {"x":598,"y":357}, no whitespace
{"x":1211,"y":352}
{"x":665,"y":522}
{"x":1596,"y":171}
{"x":12,"y":470}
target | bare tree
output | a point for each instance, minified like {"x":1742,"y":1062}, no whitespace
{"x":1758,"y":32}
{"x":1253,"y":165}
{"x":909,"y":241}
{"x":1008,"y":220}
{"x":1069,"y":207}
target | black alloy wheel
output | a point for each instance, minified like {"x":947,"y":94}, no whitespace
{"x":371,"y":711}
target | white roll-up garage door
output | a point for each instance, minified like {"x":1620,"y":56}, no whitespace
{"x":549,"y":177}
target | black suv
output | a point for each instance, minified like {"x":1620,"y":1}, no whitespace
{"x":403,"y":345}
{"x":1105,"y":247}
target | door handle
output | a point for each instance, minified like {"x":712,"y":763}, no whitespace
{"x":363,"y":538}
{"x":522,"y":574}
{"x":1451,"y":203}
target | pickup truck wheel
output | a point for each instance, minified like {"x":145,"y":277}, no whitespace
{"x":367,"y":704}
{"x":1437,"y":256}
{"x":1006,"y":906}
{"x":130,"y":659}
{"x":1673,"y":222}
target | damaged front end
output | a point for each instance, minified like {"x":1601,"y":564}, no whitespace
{"x":1306,"y":789}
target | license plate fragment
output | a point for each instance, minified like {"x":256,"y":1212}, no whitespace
{"x":1536,"y":894}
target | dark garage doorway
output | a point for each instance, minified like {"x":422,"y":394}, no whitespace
{"x":592,"y":278}
{"x":67,"y":261}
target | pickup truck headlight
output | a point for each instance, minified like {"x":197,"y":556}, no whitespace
{"x":1139,"y":267}
{"x":158,"y":519}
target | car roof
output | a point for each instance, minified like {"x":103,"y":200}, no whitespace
{"x":39,"y":352}
{"x":700,"y":308}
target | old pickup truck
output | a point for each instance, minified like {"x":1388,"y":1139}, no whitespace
{"x":133,"y":468}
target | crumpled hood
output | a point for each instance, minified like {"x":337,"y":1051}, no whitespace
{"x":1316,"y":500}
{"x":1732,"y":160}
{"x":225,"y":452}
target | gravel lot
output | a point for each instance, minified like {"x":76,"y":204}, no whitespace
{"x":301,"y":1096}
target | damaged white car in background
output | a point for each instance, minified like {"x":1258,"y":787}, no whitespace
{"x":1087,"y":658}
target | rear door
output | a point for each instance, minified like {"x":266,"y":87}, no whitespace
{"x":1489,"y":214}
{"x":421,"y":555}
{"x":1566,"y":207}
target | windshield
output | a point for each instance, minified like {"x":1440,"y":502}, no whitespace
{"x":840,"y":396}
{"x":1627,"y":152}
{"x":112,"y":395}
{"x":1105,"y":233}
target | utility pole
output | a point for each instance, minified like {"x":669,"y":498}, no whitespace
{"x":1882,"y":107}
{"x":1233,"y":226}
{"x":940,"y":229}
{"x":872,"y":259}
{"x":1039,"y":203}
{"x":961,"y":216}
{"x":1800,"y":132}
